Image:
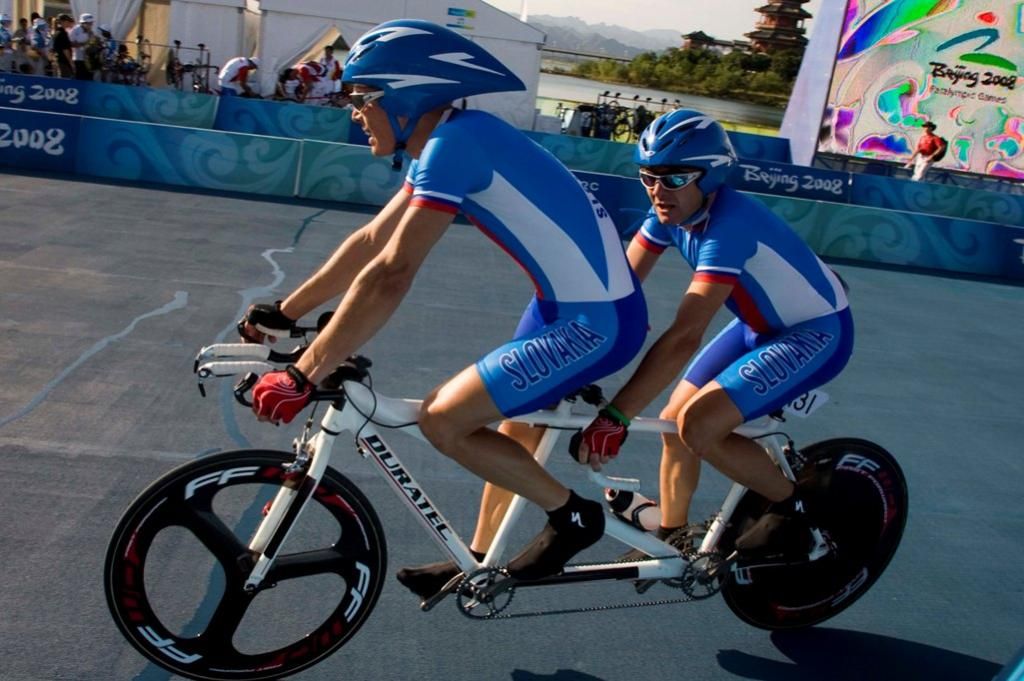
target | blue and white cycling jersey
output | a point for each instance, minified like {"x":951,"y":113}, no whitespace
{"x":524,"y":199}
{"x":778,"y":280}
{"x":588,"y":318}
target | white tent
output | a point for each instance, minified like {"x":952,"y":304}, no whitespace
{"x":290,"y":29}
{"x":228,"y":28}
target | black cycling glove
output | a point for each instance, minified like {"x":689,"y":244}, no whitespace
{"x":267,"y":319}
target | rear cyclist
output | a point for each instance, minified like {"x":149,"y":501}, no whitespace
{"x":587,"y":319}
{"x":793,"y":329}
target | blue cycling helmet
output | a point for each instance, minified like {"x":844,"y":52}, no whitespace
{"x":685,"y":137}
{"x":420,"y":66}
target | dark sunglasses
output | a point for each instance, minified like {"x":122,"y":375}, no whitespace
{"x":361,"y":99}
{"x":672,"y":181}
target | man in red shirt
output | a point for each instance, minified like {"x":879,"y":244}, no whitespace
{"x":928,"y":147}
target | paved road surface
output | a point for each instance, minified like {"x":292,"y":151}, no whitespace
{"x":108,"y":291}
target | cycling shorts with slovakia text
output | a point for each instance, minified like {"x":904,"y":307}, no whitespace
{"x":762,"y":372}
{"x":561,"y":347}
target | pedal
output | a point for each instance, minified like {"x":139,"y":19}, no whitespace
{"x":822,"y":546}
{"x":428,"y":603}
{"x":643,"y":585}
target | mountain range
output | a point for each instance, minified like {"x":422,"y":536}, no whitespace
{"x":572,"y":33}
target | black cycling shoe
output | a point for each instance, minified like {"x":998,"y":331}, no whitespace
{"x":784,"y":532}
{"x":427,"y":580}
{"x":570,"y":529}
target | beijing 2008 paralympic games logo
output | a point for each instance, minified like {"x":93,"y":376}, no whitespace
{"x":1002,"y":72}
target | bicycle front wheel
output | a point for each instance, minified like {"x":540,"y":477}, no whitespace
{"x":860,"y":503}
{"x":178,"y":560}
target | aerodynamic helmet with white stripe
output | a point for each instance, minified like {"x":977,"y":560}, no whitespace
{"x":688,"y":138}
{"x":421,"y":66}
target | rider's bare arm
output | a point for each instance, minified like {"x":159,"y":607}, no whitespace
{"x":641,"y":259}
{"x":336,"y":275}
{"x":376,"y":292}
{"x":671,"y":352}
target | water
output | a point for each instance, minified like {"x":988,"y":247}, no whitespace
{"x":554,"y":88}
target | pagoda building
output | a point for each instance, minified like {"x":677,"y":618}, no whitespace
{"x":780,"y":28}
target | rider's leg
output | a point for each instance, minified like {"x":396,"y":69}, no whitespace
{"x":454,"y":419}
{"x":680,"y":468}
{"x":706,"y":426}
{"x":427,"y":580}
{"x":494,"y":501}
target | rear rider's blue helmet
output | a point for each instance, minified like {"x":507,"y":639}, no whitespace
{"x":420,"y":66}
{"x":685,"y":137}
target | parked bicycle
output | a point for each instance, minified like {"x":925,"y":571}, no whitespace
{"x":237,"y":527}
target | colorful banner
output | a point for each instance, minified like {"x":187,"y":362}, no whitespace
{"x":902,"y":63}
{"x":38,"y":141}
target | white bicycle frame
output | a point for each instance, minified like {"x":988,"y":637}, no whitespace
{"x":401,"y":414}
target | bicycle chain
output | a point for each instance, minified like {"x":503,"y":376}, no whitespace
{"x":594,"y":608}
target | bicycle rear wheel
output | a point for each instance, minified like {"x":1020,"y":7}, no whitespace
{"x":860,"y":502}
{"x":178,"y":560}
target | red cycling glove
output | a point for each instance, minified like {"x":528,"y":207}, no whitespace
{"x":603,"y":436}
{"x":281,"y":395}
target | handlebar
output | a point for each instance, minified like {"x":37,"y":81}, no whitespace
{"x":252,"y":359}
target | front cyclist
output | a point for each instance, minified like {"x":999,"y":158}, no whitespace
{"x":793,"y":329}
{"x":588,"y":318}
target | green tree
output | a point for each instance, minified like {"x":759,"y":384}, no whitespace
{"x":738,"y":75}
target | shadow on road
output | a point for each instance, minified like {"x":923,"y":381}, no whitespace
{"x":836,"y":654}
{"x":560,"y":675}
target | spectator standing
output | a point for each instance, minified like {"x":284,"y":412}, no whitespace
{"x":80,"y":36}
{"x":333,"y":68}
{"x":108,"y":54}
{"x":126,"y":69}
{"x":6,"y":45}
{"x":19,"y":41}
{"x":61,"y":44}
{"x":930,"y":148}
{"x":234,"y":76}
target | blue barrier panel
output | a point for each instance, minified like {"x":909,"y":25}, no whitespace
{"x":40,"y":93}
{"x":766,"y":177}
{"x":761,"y":147}
{"x":588,"y":153}
{"x":149,"y":105}
{"x":901,"y":238}
{"x":106,"y":100}
{"x":347,"y":172}
{"x":937,"y":199}
{"x":282,"y":119}
{"x":188,"y":157}
{"x":38,"y":141}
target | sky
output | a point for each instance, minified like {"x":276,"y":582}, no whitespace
{"x":722,"y":19}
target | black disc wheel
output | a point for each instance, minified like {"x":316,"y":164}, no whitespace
{"x":178,"y":561}
{"x":858,"y":497}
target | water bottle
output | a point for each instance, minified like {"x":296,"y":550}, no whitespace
{"x":634,"y":508}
